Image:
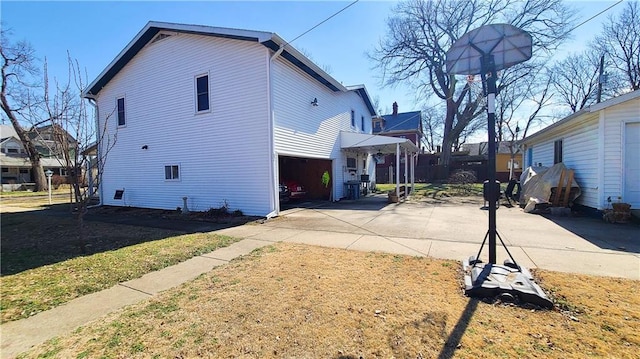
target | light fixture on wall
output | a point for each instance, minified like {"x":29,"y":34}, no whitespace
{"x":145,"y":147}
{"x":314,"y":102}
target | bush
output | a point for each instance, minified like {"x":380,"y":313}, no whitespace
{"x":463,"y":177}
{"x":462,"y":181}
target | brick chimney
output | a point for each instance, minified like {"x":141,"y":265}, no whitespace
{"x":395,"y":109}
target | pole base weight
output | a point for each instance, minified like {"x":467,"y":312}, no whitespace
{"x":507,"y":281}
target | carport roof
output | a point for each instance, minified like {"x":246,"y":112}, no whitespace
{"x":374,"y":143}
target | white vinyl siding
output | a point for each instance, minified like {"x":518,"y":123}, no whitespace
{"x":223,"y":153}
{"x":303,"y":130}
{"x":593,"y":145}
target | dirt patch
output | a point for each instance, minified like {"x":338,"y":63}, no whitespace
{"x":310,"y":302}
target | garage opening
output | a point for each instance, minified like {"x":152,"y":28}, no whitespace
{"x":306,"y":172}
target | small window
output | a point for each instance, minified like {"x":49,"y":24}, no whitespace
{"x":557,"y":151}
{"x":362,"y":123}
{"x":5,"y":170}
{"x":202,"y":93}
{"x":353,"y":118}
{"x":24,"y":171}
{"x":12,"y":150}
{"x":351,"y":162}
{"x":172,"y":172}
{"x":121,"y":118}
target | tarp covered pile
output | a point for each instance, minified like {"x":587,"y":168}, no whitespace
{"x":537,"y":183}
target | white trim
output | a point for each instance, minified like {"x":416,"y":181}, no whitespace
{"x":601,"y":151}
{"x":195,"y":92}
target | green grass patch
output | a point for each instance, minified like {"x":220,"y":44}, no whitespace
{"x":32,"y":291}
{"x":435,"y":190}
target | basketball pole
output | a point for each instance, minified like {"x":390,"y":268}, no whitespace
{"x":488,"y":75}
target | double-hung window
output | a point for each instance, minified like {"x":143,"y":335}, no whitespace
{"x":557,"y":151}
{"x":202,"y":93}
{"x":172,"y":172}
{"x":120,"y":111}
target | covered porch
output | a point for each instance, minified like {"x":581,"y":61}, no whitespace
{"x":378,"y":146}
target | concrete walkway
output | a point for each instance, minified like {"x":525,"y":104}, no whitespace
{"x":441,"y":230}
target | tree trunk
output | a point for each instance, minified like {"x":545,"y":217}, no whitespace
{"x":447,"y":138}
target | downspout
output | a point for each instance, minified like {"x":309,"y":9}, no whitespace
{"x":92,"y":102}
{"x":275,"y":203}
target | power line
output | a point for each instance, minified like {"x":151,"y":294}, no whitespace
{"x":321,"y":22}
{"x":594,"y":16}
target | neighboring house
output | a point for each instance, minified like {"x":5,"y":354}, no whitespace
{"x":221,"y":116}
{"x":14,"y":162}
{"x":402,"y":125}
{"x":602,"y":144}
{"x":504,"y":161}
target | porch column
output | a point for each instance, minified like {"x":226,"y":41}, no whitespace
{"x":406,"y":174}
{"x":414,"y":157}
{"x":398,"y":170}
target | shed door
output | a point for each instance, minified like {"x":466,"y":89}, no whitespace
{"x":632,"y":164}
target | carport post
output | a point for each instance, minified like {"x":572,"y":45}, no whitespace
{"x":398,"y":170}
{"x":406,"y":174}
{"x":413,"y":171}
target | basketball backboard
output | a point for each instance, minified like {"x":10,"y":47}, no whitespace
{"x":508,"y":44}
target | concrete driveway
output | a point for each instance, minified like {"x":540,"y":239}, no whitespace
{"x":455,"y":231}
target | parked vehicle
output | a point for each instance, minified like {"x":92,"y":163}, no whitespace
{"x":284,"y":193}
{"x":296,"y":189}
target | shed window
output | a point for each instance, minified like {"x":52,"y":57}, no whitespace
{"x":172,"y":172}
{"x":121,"y":117}
{"x":202,"y":93}
{"x":557,"y":151}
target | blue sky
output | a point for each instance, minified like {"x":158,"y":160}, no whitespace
{"x":95,"y":32}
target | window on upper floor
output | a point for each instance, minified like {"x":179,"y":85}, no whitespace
{"x":362,"y":123}
{"x":120,"y":111}
{"x":557,"y":151}
{"x":172,"y":172}
{"x":202,"y":93}
{"x":353,"y":118}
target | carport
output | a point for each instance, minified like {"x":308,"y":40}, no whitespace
{"x":380,"y":145}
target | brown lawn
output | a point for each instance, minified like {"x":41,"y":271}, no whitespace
{"x":296,"y":301}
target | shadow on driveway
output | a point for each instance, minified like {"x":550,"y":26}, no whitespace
{"x":617,"y":237}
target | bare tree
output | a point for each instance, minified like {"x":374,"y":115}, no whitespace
{"x":19,"y":98}
{"x":76,"y":133}
{"x":575,"y":79}
{"x":521,"y":104}
{"x":420,"y":32}
{"x":620,"y":39}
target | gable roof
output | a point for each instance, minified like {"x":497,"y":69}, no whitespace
{"x":578,"y":116}
{"x":268,"y":39}
{"x":7,"y":131}
{"x":402,"y":122}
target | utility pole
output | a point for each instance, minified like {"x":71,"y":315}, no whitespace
{"x":600,"y":78}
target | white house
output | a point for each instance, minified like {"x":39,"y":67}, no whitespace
{"x":221,"y":116}
{"x":602,"y":144}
